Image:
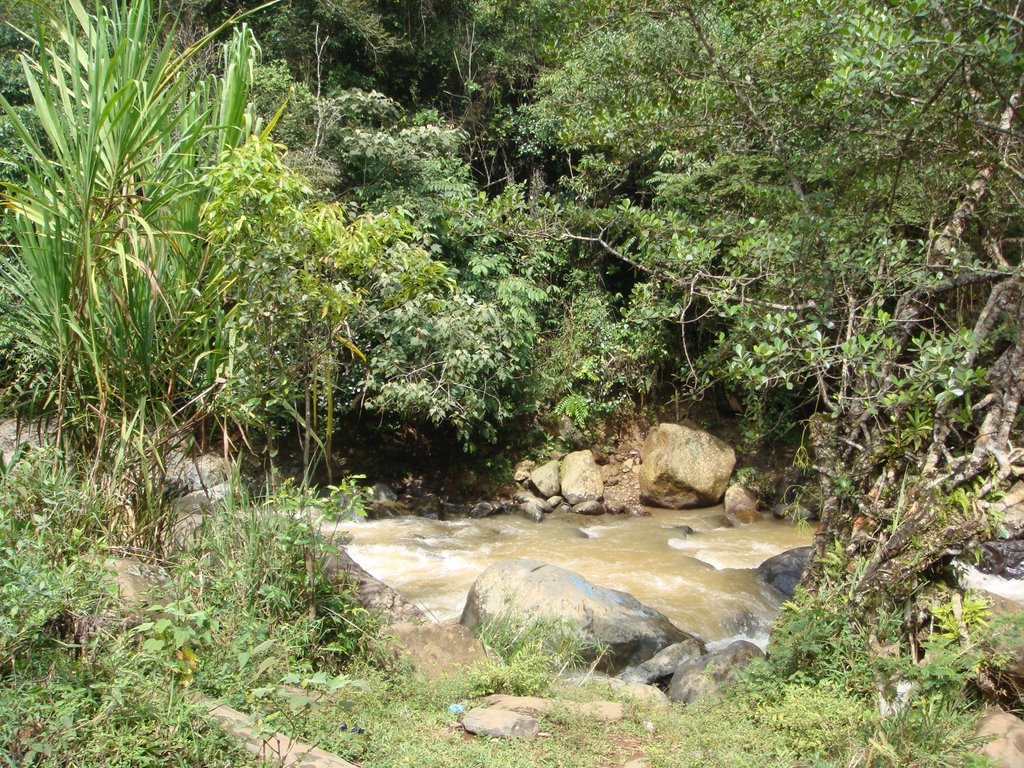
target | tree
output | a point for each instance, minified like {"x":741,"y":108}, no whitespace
{"x":831,"y":194}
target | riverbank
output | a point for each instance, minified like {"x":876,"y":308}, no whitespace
{"x":104,"y":649}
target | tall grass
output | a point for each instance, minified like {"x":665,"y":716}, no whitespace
{"x":115,"y":293}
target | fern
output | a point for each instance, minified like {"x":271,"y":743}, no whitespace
{"x":576,"y":408}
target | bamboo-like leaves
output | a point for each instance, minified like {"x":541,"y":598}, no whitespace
{"x":115,"y":291}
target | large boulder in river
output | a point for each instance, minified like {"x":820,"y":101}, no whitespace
{"x":684,"y":467}
{"x":581,"y":478}
{"x":545,"y":480}
{"x":518,"y":590}
{"x":784,"y":571}
{"x":371,"y":593}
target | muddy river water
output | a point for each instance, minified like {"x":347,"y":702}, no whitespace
{"x":703,"y":580}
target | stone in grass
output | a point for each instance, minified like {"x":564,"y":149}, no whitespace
{"x":1004,"y":737}
{"x":500,"y":724}
{"x":663,"y":664}
{"x":647,"y":694}
{"x":598,"y":711}
{"x":704,"y":677}
{"x":435,"y":651}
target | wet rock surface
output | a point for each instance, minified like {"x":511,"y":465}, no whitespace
{"x":784,"y":571}
{"x":1003,"y":558}
{"x":663,"y":664}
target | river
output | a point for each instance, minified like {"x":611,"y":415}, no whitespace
{"x":703,"y":581}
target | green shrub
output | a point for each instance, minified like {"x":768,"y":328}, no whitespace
{"x":526,"y":655}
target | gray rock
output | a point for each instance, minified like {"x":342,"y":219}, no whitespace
{"x":384,"y":509}
{"x":615,"y":507}
{"x":663,"y":664}
{"x":531,"y":589}
{"x":581,"y":478}
{"x":1003,"y":558}
{"x":556,"y":501}
{"x":186,"y":474}
{"x":784,"y":571}
{"x":531,"y":511}
{"x":383,"y":492}
{"x":563,"y":509}
{"x":189,"y":512}
{"x":521,"y":474}
{"x":1011,"y":511}
{"x":14,"y":433}
{"x":483,"y":509}
{"x":598,"y":711}
{"x":273,"y":748}
{"x":795,"y":512}
{"x":139,"y":584}
{"x":684,"y":467}
{"x":545,"y":479}
{"x":647,"y":694}
{"x":183,"y":534}
{"x":704,"y":677}
{"x":371,"y":593}
{"x":500,"y":723}
{"x":427,"y":505}
{"x":525,"y":497}
{"x":589,"y":508}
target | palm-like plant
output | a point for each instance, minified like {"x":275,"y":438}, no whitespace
{"x":114,"y":291}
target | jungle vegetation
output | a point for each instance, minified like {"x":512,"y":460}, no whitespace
{"x":239,"y":226}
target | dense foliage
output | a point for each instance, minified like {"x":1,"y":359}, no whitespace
{"x":468,"y":220}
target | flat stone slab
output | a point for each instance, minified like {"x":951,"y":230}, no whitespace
{"x":277,"y":748}
{"x":599,"y":711}
{"x":500,"y":723}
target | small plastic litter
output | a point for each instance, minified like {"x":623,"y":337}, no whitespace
{"x":456,"y":709}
